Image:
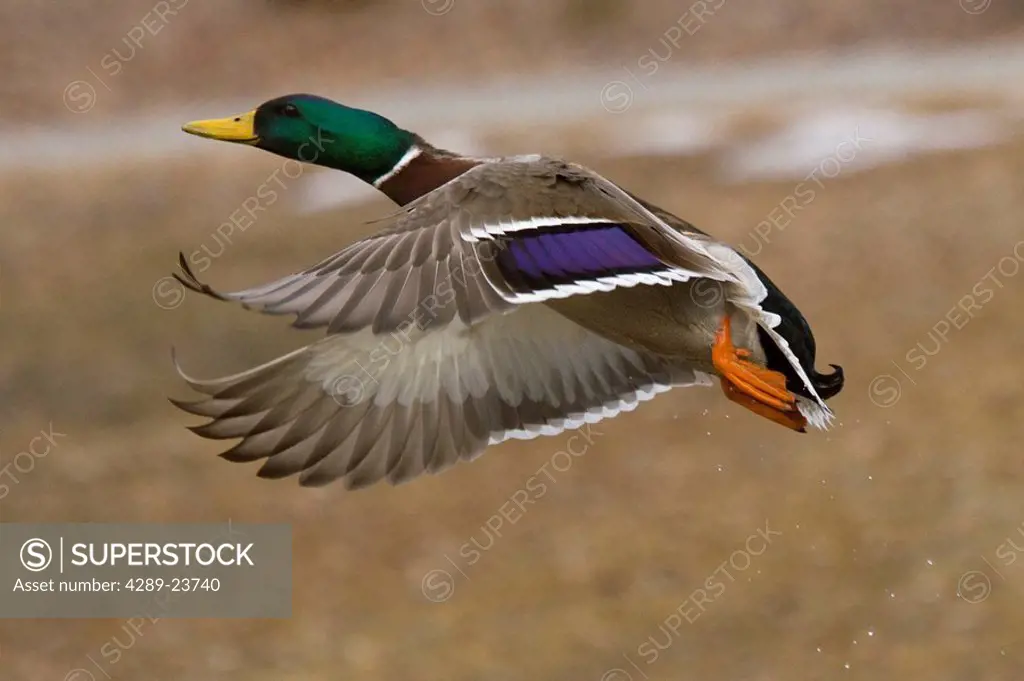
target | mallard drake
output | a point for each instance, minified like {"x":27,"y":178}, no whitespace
{"x":506,"y":298}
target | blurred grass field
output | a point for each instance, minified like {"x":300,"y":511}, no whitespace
{"x":879,"y":518}
{"x":141,"y":55}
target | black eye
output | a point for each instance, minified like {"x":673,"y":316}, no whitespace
{"x":289,"y":110}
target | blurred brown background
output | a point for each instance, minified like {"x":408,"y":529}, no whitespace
{"x":893,"y":537}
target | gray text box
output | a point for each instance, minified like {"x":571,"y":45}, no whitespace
{"x":153,"y":570}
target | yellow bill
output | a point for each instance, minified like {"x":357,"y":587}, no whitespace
{"x":238,"y":128}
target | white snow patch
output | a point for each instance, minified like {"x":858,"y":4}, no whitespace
{"x":329,"y":189}
{"x":858,"y":139}
{"x":673,"y":134}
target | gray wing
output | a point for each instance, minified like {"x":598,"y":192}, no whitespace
{"x":501,"y":234}
{"x":362,"y":408}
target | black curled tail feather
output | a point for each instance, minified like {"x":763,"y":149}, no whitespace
{"x":795,"y":330}
{"x":801,"y":345}
{"x":828,"y":385}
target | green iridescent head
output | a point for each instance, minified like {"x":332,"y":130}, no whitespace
{"x":316,"y":130}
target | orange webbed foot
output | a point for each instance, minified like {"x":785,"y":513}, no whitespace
{"x":793,"y":420}
{"x":757,"y":388}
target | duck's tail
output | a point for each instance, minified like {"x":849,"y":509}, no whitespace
{"x":828,"y":385}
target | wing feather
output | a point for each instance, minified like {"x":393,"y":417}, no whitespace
{"x":440,"y":398}
{"x":461,"y":229}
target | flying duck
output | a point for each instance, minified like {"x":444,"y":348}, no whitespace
{"x":506,"y":298}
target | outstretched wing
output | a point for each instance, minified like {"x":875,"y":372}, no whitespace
{"x":363,"y":408}
{"x":499,"y":235}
